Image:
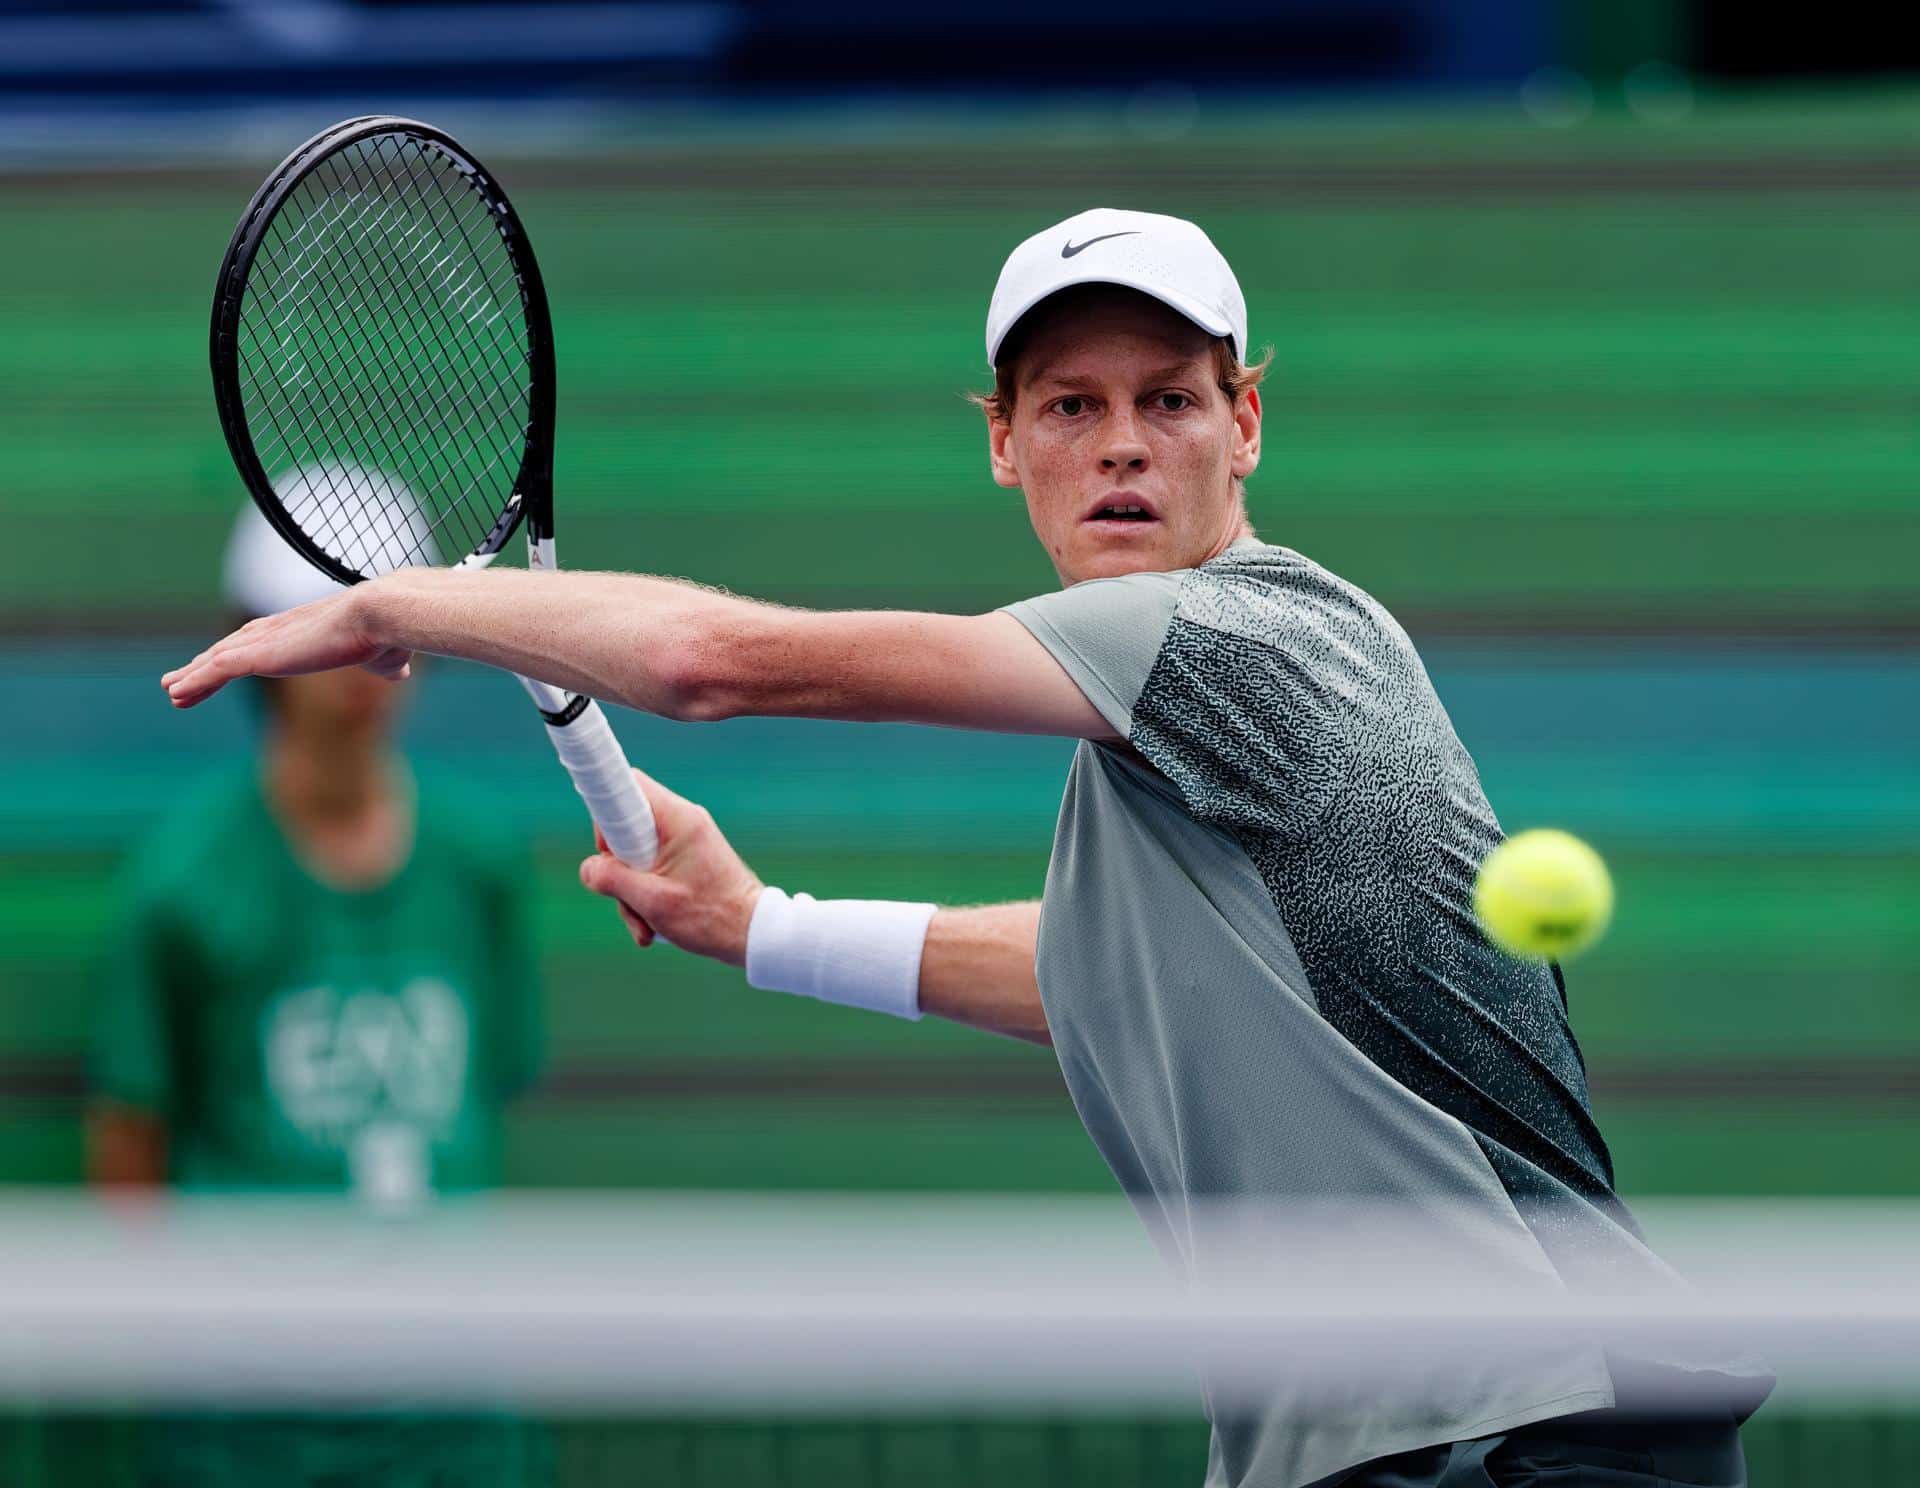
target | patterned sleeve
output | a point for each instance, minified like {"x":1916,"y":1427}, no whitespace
{"x":1106,"y":634}
{"x":1272,"y":692}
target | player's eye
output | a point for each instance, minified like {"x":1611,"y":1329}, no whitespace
{"x":1071,"y":407}
{"x":1172,"y":402}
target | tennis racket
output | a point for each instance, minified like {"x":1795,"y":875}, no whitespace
{"x":383,"y":368}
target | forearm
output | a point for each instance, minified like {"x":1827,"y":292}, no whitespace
{"x":977,"y":968}
{"x":622,"y":637}
{"x":686,"y":652}
{"x":972,"y":966}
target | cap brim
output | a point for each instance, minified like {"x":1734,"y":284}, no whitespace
{"x":1208,"y":321}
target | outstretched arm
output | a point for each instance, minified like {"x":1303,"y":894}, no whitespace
{"x":671,"y":648}
{"x":976,"y":965}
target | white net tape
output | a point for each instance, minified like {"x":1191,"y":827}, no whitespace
{"x":748,"y":1302}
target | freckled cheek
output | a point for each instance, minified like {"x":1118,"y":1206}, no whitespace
{"x":1052,"y":494}
{"x":1052,"y":464}
{"x":1189,"y":458}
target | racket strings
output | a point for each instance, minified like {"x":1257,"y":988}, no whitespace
{"x":341,"y":504}
{"x":313,"y":280}
{"x":371,"y":272}
{"x":378,"y":185}
{"x":386,"y":431}
{"x":384,"y":357}
{"x":322,"y":492}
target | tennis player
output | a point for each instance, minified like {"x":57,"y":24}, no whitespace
{"x":1255,"y":957}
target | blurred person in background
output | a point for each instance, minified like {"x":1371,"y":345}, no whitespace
{"x":325,"y":984}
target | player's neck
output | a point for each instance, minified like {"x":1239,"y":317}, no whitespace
{"x":343,"y":809}
{"x":1238,"y":528}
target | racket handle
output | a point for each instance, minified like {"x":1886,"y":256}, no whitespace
{"x":593,"y":757}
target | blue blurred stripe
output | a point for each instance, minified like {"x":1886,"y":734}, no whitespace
{"x":1698,"y":745}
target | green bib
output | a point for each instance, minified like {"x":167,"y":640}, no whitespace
{"x":298,"y":1036}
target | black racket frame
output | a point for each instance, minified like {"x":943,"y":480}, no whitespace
{"x":532,"y":495}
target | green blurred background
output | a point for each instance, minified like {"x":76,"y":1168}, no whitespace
{"x":1619,"y":421}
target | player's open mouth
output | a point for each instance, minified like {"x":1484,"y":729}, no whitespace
{"x":1120,"y":512}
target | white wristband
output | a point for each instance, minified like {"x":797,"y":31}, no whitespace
{"x":858,"y":952}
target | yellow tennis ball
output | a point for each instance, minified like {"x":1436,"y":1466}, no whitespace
{"x":1543,"y":894}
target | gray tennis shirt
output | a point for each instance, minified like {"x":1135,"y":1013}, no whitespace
{"x":1263,"y":980}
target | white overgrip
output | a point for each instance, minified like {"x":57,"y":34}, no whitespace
{"x":593,"y":757}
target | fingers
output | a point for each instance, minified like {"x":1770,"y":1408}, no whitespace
{"x":672,"y":813}
{"x":179,"y":674}
{"x":202,"y":677}
{"x":608,"y":876}
{"x":312,"y":638}
{"x":698,"y":895}
{"x":229,"y":657}
{"x":638,"y":928}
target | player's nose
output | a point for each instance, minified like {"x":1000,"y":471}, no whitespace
{"x":1123,"y":448}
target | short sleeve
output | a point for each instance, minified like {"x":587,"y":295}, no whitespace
{"x":1279,"y":687}
{"x":1106,"y":634}
{"x":132,"y":1059}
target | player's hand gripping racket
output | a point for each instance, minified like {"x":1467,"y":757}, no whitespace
{"x":383,"y":365}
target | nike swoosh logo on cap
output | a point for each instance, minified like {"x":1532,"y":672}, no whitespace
{"x":1071,"y":248}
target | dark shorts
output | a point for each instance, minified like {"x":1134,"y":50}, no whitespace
{"x":1600,"y":1449}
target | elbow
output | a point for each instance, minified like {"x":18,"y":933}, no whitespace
{"x":696,"y":703}
{"x":699,"y":670}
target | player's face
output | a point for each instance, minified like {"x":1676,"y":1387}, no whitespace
{"x":1123,"y":443}
{"x":347,"y":707}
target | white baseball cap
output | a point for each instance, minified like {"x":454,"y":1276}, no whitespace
{"x":264,"y":575}
{"x":1166,"y":257}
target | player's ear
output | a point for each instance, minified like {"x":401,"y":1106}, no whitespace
{"x":1246,"y":434}
{"x":1000,"y":453}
